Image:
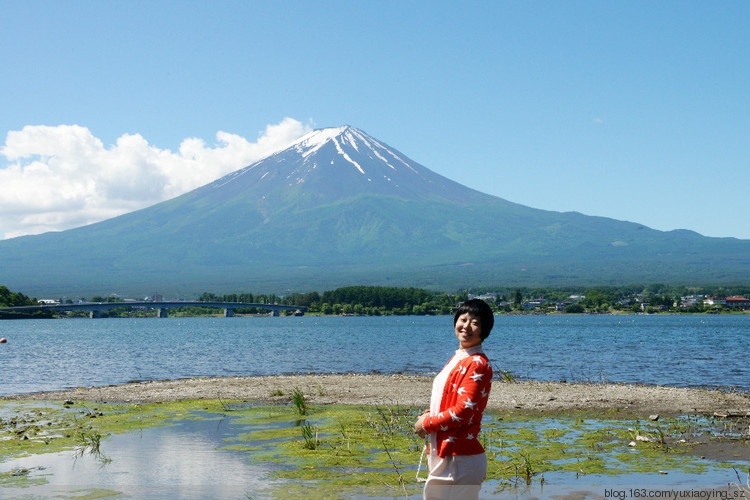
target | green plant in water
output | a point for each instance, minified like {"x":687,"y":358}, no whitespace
{"x":345,"y":437}
{"x":299,"y":401}
{"x":508,"y":376}
{"x":401,"y":480}
{"x":90,"y":443}
{"x":310,"y":435}
{"x":527,"y":468}
{"x":660,"y":437}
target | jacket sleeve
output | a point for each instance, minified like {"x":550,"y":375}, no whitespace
{"x":467,"y":392}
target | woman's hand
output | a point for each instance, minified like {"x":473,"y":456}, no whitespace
{"x":418,"y":425}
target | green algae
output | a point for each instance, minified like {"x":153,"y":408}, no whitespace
{"x":361,"y":449}
{"x":22,"y":477}
{"x":34,"y":428}
{"x":89,"y":494}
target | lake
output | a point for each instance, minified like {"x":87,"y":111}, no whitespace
{"x":678,"y":350}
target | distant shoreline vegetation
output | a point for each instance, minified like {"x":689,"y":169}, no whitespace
{"x":396,"y":301}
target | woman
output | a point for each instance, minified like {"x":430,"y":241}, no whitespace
{"x":457,"y":464}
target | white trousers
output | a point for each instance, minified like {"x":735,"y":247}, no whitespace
{"x":456,"y":477}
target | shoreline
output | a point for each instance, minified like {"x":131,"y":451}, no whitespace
{"x":414,"y":390}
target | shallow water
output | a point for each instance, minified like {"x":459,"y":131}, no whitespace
{"x":190,"y":459}
{"x":685,"y":350}
{"x":179,"y":461}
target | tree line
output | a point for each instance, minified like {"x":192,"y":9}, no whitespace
{"x":381,"y":300}
{"x":358,"y":300}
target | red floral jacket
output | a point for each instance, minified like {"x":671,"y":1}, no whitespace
{"x":464,"y":398}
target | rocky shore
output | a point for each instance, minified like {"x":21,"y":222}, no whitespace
{"x":414,"y":390}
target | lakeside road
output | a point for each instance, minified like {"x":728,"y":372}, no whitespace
{"x":414,"y":390}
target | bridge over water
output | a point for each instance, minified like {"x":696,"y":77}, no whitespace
{"x":95,"y":308}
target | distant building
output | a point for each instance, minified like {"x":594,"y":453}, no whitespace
{"x":533,"y":304}
{"x":49,"y":302}
{"x":738,"y":302}
{"x":691,"y":300}
{"x":487,"y":297}
{"x":715,"y":301}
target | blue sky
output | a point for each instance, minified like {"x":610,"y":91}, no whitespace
{"x":638,"y":111}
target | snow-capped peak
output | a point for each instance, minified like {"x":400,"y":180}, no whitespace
{"x":330,"y":164}
{"x":346,"y":137}
{"x":312,"y":141}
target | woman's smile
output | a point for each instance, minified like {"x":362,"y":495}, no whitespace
{"x":468,"y":330}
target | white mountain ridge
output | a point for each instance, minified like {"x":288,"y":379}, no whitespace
{"x":345,"y":157}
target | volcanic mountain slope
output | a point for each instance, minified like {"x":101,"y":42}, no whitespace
{"x":339,"y":207}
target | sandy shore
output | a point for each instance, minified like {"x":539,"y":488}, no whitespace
{"x":415,"y":390}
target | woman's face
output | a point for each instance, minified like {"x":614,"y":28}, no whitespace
{"x":468,"y":330}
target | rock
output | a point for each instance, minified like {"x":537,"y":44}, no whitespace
{"x":654,"y":417}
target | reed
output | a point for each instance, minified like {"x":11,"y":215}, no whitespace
{"x":298,"y":398}
{"x":310,"y":435}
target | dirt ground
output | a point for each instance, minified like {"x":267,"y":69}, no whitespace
{"x":413,"y":390}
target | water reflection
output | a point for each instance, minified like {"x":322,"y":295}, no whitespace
{"x":174,"y":461}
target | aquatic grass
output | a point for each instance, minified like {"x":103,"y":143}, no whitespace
{"x":393,"y":462}
{"x":587,"y":375}
{"x":298,"y":398}
{"x":345,"y":437}
{"x":89,"y":443}
{"x":524,"y":467}
{"x":310,"y":435}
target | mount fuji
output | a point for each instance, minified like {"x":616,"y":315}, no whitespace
{"x":338,"y":207}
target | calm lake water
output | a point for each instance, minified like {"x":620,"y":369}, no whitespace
{"x":684,"y":350}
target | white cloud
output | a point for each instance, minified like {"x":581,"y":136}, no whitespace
{"x":61,"y":177}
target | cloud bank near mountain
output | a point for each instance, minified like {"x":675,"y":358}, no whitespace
{"x":60,"y":177}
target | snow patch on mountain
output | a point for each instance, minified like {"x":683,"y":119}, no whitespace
{"x":346,"y":156}
{"x":313,"y":141}
{"x":345,"y":136}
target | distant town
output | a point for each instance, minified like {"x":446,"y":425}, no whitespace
{"x":631,"y":303}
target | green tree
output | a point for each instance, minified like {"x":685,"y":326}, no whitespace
{"x":517,"y":298}
{"x":13,"y":299}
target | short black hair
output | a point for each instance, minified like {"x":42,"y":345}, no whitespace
{"x":480,"y":309}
